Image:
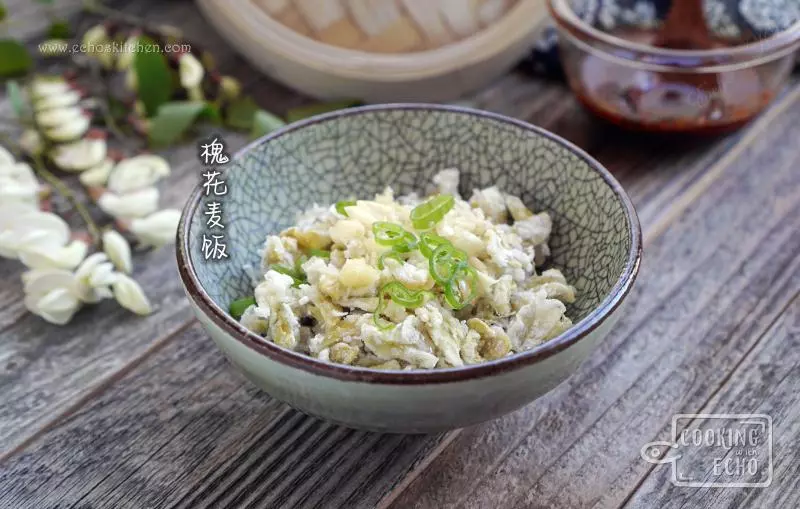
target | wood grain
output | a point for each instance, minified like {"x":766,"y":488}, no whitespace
{"x":710,"y":285}
{"x":182,"y":430}
{"x":766,"y":382}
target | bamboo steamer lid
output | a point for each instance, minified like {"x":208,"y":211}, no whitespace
{"x":380,"y":50}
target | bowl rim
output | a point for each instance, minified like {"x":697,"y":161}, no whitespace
{"x":306,"y":363}
{"x":775,"y":46}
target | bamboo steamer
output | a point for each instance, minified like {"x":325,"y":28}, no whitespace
{"x":380,"y":50}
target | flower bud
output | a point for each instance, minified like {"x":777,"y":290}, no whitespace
{"x":54,"y":117}
{"x":139,"y":203}
{"x":31,"y":142}
{"x":68,"y":98}
{"x":97,"y":176}
{"x":85,"y":275}
{"x":137,"y":172}
{"x":130,"y":295}
{"x":190,"y":71}
{"x":118,"y":251}
{"x":48,"y":86}
{"x":125,"y":58}
{"x":80,"y":155}
{"x":157,"y":229}
{"x":20,"y":229}
{"x":70,"y":130}
{"x":98,"y":45}
{"x":229,"y":88}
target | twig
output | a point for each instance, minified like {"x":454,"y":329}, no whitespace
{"x":66,"y":192}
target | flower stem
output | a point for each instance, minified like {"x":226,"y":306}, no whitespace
{"x":66,"y":192}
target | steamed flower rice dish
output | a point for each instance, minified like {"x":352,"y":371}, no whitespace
{"x":411,"y":282}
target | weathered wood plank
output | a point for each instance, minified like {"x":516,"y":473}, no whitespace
{"x":767,"y":382}
{"x":46,"y":369}
{"x":182,"y":430}
{"x":709,"y":286}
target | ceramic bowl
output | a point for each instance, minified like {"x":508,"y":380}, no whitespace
{"x":596,"y":243}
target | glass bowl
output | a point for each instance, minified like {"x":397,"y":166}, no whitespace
{"x":616,"y":72}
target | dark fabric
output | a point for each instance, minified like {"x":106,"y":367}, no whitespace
{"x":727,"y":18}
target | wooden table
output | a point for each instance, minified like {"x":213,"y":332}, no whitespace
{"x":116,"y":411}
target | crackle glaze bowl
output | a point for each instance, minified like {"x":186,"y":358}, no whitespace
{"x":596,"y":242}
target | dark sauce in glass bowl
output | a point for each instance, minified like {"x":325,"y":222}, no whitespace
{"x":708,"y":103}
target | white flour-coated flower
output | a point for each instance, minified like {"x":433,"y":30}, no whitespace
{"x":190,"y":71}
{"x":158,"y":228}
{"x":130,"y":295}
{"x":118,"y":251}
{"x":50,"y":294}
{"x":80,"y":155}
{"x":47,"y":257}
{"x":137,"y":172}
{"x":136,"y":204}
{"x":97,"y":176}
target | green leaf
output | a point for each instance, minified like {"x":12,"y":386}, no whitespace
{"x":265,"y":122}
{"x":310,"y":110}
{"x":59,"y":29}
{"x":15,"y":97}
{"x":211,"y":113}
{"x":14,"y":58}
{"x":240,"y":113}
{"x":3,"y":11}
{"x":153,"y":77}
{"x":173,"y":120}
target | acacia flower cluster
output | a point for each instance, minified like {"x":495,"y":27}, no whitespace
{"x":63,"y":274}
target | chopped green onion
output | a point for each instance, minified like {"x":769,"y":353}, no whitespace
{"x":391,"y":234}
{"x":322,"y":253}
{"x":444,"y":261}
{"x":428,"y":242}
{"x":341,"y":206}
{"x":239,"y":306}
{"x":401,"y":295}
{"x":427,"y":214}
{"x":389,"y":254}
{"x":455,"y":294}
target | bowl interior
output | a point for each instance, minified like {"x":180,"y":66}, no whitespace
{"x":357,"y":153}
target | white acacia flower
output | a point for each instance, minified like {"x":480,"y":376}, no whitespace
{"x":137,"y":172}
{"x":230,"y":87}
{"x":131,"y":80}
{"x":21,"y":228}
{"x":31,"y":142}
{"x":97,"y":176}
{"x":136,"y":204}
{"x":125,"y":58}
{"x":48,"y":86}
{"x":118,"y":251}
{"x":6,"y":157}
{"x":47,"y":257}
{"x":130,"y":295}
{"x":70,"y":130}
{"x":50,"y":294}
{"x":54,"y":117}
{"x":157,"y":229}
{"x":18,"y":184}
{"x":190,"y":71}
{"x":94,"y":269}
{"x":68,"y":98}
{"x":98,"y":45}
{"x":80,"y":155}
